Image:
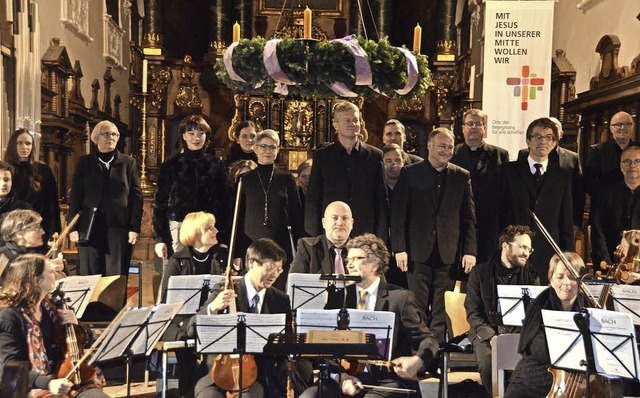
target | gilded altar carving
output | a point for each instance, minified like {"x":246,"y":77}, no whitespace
{"x":160,"y":78}
{"x":298,"y":124}
{"x":188,"y":95}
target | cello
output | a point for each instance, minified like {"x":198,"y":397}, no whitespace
{"x":233,"y":373}
{"x":570,"y":383}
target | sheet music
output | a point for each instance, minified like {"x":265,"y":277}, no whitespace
{"x":306,"y":291}
{"x":510,"y":302}
{"x":78,"y":289}
{"x":614,"y":343}
{"x":122,"y":334}
{"x":567,"y":349}
{"x":380,"y":323}
{"x":217,"y":334}
{"x":187,"y":289}
{"x":595,"y":289}
{"x":158,"y":323}
{"x":626,"y":299}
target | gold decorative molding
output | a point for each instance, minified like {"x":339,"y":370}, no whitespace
{"x":160,"y":78}
{"x":237,"y":99}
{"x":442,"y":83}
{"x":218,"y":47}
{"x":188,"y":95}
{"x":298,"y":124}
{"x":152,"y":40}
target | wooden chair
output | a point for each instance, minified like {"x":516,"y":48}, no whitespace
{"x":504,"y":356}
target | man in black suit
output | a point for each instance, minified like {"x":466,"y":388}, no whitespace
{"x":319,"y":255}
{"x":482,"y":161}
{"x":433,"y":219}
{"x":413,"y":347}
{"x":508,"y":266}
{"x":254,"y":294}
{"x":567,"y":160}
{"x":616,"y":209}
{"x":603,"y":164}
{"x":394,"y":133}
{"x":349,"y":171}
{"x":532,"y":185}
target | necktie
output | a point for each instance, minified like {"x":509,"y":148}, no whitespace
{"x":338,"y":264}
{"x":254,"y":304}
{"x":362,"y":303}
{"x":538,"y":174}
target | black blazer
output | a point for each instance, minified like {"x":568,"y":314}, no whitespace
{"x":552,"y":204}
{"x":608,"y":220}
{"x":411,"y":335}
{"x":410,"y":158}
{"x":418,"y":223}
{"x":485,"y":183}
{"x":313,"y":256}
{"x":361,"y":186}
{"x":123,"y":207}
{"x":567,"y":160}
{"x":603,"y":165}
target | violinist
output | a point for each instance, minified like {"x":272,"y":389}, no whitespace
{"x":531,"y":377}
{"x":201,"y":254}
{"x":253,"y":294}
{"x":413,"y":347}
{"x":28,"y":323}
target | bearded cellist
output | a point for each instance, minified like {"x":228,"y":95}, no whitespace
{"x":28,"y":322}
{"x":253,"y":294}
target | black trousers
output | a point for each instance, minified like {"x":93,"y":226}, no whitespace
{"x":107,"y":254}
{"x":428,"y":281}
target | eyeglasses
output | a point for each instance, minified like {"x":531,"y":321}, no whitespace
{"x":273,"y":269}
{"x":621,"y":125}
{"x":355,"y":258}
{"x":107,"y":134}
{"x":523,"y":247}
{"x":32,"y":227}
{"x":629,"y":162}
{"x":267,"y":148}
{"x":548,"y":138}
{"x":393,"y":161}
{"x":473,"y":124}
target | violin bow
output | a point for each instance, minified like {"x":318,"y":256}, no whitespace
{"x":63,"y":235}
{"x":564,"y":259}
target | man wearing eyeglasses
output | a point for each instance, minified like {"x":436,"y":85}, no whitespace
{"x":508,"y":266}
{"x":530,"y":185}
{"x":482,"y":161}
{"x":394,"y":133}
{"x":616,"y":208}
{"x":603,"y":163}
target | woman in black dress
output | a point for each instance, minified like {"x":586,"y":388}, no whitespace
{"x":33,"y":181}
{"x":531,"y":377}
{"x":8,"y":200}
{"x":270,"y":203}
{"x":244,"y":146}
{"x":188,"y":181}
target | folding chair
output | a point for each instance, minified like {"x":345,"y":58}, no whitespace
{"x":504,"y":356}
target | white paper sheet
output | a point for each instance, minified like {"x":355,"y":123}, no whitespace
{"x":217,"y":334}
{"x":306,"y":291}
{"x":78,"y":291}
{"x":614,"y":343}
{"x":626,"y":298}
{"x":121,"y":335}
{"x":187,"y":289}
{"x":510,"y":302}
{"x":157,"y":324}
{"x":566,"y":347}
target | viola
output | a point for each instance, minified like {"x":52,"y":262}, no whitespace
{"x":73,"y":339}
{"x":226,"y":369}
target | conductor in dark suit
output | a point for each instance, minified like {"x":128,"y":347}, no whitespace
{"x":482,"y":161}
{"x":349,"y":171}
{"x":394,"y":133}
{"x":109,"y":181}
{"x":325,"y":253}
{"x":433,"y":225}
{"x":603,"y":163}
{"x":253,"y":294}
{"x":616,"y":209}
{"x":532,"y":185}
{"x":413,"y":347}
{"x":567,"y":160}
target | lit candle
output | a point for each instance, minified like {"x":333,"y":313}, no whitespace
{"x":145,"y":66}
{"x":236,"y":32}
{"x":307,"y":23}
{"x":472,"y":81}
{"x":417,"y":38}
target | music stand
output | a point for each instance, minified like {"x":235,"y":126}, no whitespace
{"x":78,"y":291}
{"x":626,"y":298}
{"x":596,"y":341}
{"x":135,"y":332}
{"x":192,"y":289}
{"x":215,"y":334}
{"x":513,"y":300}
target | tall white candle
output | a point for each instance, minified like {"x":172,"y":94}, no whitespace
{"x":472,"y":81}
{"x":145,"y":65}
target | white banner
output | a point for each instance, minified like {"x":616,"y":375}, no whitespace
{"x":517,"y":69}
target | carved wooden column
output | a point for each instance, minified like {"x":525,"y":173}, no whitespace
{"x":444,"y":64}
{"x":221,"y":27}
{"x":152,"y":26}
{"x":244,"y":16}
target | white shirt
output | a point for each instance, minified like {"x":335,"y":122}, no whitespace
{"x":251,"y":292}
{"x":532,"y":168}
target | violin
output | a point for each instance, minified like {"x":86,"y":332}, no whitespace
{"x":227,"y":368}
{"x":357,"y":367}
{"x":73,"y":339}
{"x":628,"y":251}
{"x":573,"y":384}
